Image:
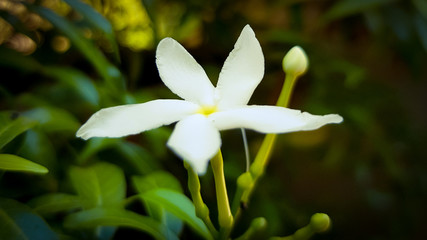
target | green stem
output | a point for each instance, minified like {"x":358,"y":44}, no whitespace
{"x":202,"y":211}
{"x":225,"y":217}
{"x":287,"y":89}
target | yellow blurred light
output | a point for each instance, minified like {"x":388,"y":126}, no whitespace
{"x":5,"y":31}
{"x":60,"y":44}
{"x":22,"y":43}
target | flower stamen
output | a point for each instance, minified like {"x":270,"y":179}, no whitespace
{"x":207,"y":110}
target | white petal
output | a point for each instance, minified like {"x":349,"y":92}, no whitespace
{"x":135,"y":118}
{"x":196,"y":141}
{"x":271,"y":119}
{"x":242,"y":71}
{"x":182,"y":74}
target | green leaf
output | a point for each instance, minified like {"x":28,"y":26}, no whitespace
{"x":420,"y":24}
{"x":159,"y":179}
{"x":139,"y":158}
{"x":73,"y":78}
{"x":39,"y":148}
{"x":76,"y":80}
{"x":18,"y":222}
{"x":95,"y":145}
{"x":53,"y":119}
{"x":11,"y":162}
{"x":9,"y":128}
{"x":109,"y":72}
{"x":346,"y":8}
{"x":97,"y":21}
{"x":102,"y":184}
{"x":119,"y":218}
{"x":54,"y":203}
{"x":179,"y":205}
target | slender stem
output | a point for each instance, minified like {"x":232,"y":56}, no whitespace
{"x":202,"y":211}
{"x":245,"y":143}
{"x":225,"y":217}
{"x":286,"y":93}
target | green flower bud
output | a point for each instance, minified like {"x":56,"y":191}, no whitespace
{"x":295,"y":62}
{"x":245,"y":181}
{"x":320,"y":222}
{"x":258,"y":223}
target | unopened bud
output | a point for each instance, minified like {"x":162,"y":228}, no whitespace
{"x":245,"y":181}
{"x":295,"y":62}
{"x":320,"y":222}
{"x":258,"y":223}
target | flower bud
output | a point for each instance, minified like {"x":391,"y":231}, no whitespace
{"x":245,"y":181}
{"x":258,"y":223}
{"x":295,"y":62}
{"x":320,"y":222}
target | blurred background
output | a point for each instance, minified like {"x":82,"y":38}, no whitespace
{"x":60,"y":63}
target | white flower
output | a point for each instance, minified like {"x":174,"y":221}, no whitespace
{"x":205,"y":109}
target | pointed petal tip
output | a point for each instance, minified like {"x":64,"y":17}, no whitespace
{"x":166,"y":40}
{"x":181,"y":73}
{"x":242,"y":71}
{"x":248,"y":32}
{"x":335,"y":118}
{"x":82,"y":134}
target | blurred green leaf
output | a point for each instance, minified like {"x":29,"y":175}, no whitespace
{"x":54,"y":203}
{"x":94,"y":145}
{"x":179,"y":205}
{"x":102,"y":184}
{"x":11,"y":58}
{"x":9,"y":128}
{"x":73,"y":78}
{"x":346,"y":8}
{"x":399,"y":22}
{"x":18,"y":222}
{"x":11,"y":162}
{"x":138,"y":157}
{"x":155,"y":180}
{"x":76,"y":80}
{"x":140,"y":160}
{"x":158,"y":179}
{"x":421,"y":6}
{"x":120,"y":218}
{"x":53,"y":119}
{"x":39,"y":148}
{"x":109,"y":72}
{"x":97,"y":21}
{"x":420,"y":23}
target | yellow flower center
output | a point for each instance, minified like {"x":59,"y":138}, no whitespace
{"x":207,"y":110}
